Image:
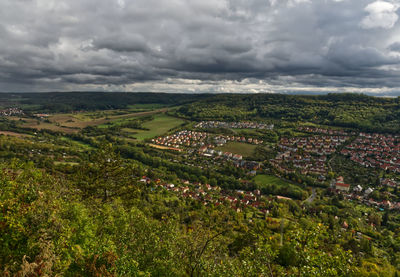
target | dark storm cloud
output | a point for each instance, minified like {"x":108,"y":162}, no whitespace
{"x":227,"y":45}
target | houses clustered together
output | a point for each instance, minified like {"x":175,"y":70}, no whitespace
{"x":204,"y":144}
{"x":213,"y":195}
{"x":11,"y":112}
{"x":316,"y":130}
{"x":389,"y":182}
{"x":221,"y":140}
{"x":237,"y":159}
{"x":183,"y":138}
{"x":363,"y":195}
{"x":306,"y":154}
{"x":235,"y":125}
{"x":187,"y":138}
{"x":41,"y":115}
{"x":376,"y":151}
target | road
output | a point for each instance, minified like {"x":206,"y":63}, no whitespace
{"x":312,"y":196}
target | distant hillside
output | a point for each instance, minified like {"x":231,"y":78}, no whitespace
{"x":72,"y":101}
{"x":365,"y":113}
{"x":358,"y":111}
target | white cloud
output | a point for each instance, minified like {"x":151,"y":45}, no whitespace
{"x":381,"y":15}
{"x":121,"y":3}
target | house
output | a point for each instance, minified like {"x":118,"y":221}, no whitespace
{"x":203,"y":148}
{"x":228,"y":155}
{"x":145,"y":179}
{"x":237,"y":157}
{"x":358,"y":189}
{"x":368,"y":191}
{"x":253,"y":172}
{"x":342,"y":187}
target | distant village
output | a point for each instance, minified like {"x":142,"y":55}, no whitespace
{"x":187,"y":138}
{"x":306,"y":154}
{"x":362,"y":194}
{"x":331,"y":132}
{"x":214,"y":195}
{"x":234,"y":125}
{"x":204,"y":144}
{"x":376,"y":151}
{"x":309,"y":154}
{"x":11,"y":112}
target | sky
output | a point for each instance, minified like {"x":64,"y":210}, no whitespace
{"x":217,"y":46}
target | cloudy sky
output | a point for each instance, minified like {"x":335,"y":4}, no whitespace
{"x":200,"y":45}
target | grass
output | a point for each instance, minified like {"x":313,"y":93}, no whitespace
{"x":14,"y":134}
{"x":73,"y":122}
{"x":269,"y":180}
{"x":160,"y":125}
{"x":65,"y":163}
{"x":247,"y":132}
{"x":146,"y":106}
{"x":40,"y":124}
{"x":79,"y":144}
{"x":241,"y":148}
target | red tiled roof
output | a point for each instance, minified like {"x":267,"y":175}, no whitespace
{"x":342,"y":185}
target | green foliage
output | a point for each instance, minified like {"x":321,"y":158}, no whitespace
{"x":358,"y":111}
{"x":79,"y":209}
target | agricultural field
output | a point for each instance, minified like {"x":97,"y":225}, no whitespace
{"x":74,"y":122}
{"x":14,"y":134}
{"x":144,"y":107}
{"x":241,"y":148}
{"x":47,"y":125}
{"x":160,"y":125}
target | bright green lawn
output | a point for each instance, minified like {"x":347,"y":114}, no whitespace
{"x":269,"y":180}
{"x":160,"y":125}
{"x":241,"y":148}
{"x":266,"y":180}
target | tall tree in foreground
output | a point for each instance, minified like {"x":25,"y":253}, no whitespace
{"x":106,"y":175}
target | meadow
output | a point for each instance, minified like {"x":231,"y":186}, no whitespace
{"x":241,"y":148}
{"x":269,"y":180}
{"x":160,"y":125}
{"x":275,"y":185}
{"x":74,"y":122}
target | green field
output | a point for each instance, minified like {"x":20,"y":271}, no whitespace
{"x":282,"y":187}
{"x":153,"y":106}
{"x":160,"y":125}
{"x":241,"y":148}
{"x":269,"y":180}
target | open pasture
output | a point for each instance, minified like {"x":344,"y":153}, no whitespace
{"x":270,"y":180}
{"x":160,"y":125}
{"x":74,"y":122}
{"x":241,"y":148}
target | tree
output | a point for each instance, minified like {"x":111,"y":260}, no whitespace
{"x":105,"y":175}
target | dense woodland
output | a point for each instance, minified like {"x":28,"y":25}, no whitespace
{"x":53,"y":102}
{"x":342,"y":110}
{"x":74,"y":204}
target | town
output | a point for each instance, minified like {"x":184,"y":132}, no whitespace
{"x":238,"y":200}
{"x":206,"y":145}
{"x":375,"y":151}
{"x":308,"y":155}
{"x":365,"y":195}
{"x":187,"y":138}
{"x":234,"y":125}
{"x":12,"y":111}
